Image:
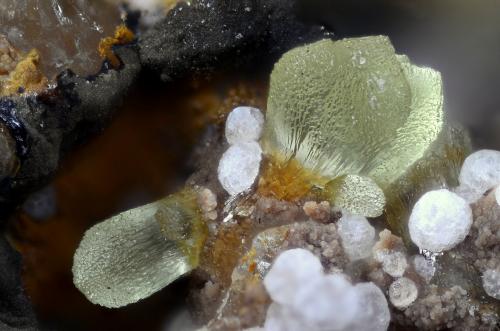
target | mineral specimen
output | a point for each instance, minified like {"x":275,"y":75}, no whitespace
{"x":240,"y":164}
{"x":65,"y":32}
{"x":354,"y":107}
{"x":424,"y":267}
{"x":358,"y":236}
{"x":491,"y":283}
{"x":439,"y":221}
{"x":135,"y":254}
{"x":321,"y":302}
{"x":403,"y":292}
{"x":376,"y":315}
{"x":329,"y":101}
{"x":290,"y":270}
{"x":357,"y":195}
{"x":480,"y":172}
{"x":239,"y":167}
{"x":244,"y":124}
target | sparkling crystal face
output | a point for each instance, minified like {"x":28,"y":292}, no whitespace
{"x":353,"y":107}
{"x":137,"y":253}
{"x":65,"y":32}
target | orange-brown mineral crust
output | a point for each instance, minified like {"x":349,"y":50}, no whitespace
{"x":123,"y":36}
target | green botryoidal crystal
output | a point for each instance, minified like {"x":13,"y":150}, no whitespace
{"x":357,"y":195}
{"x":132,"y":255}
{"x":355,"y":107}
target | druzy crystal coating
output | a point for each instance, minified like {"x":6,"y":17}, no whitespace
{"x":353,"y":107}
{"x":138,"y":252}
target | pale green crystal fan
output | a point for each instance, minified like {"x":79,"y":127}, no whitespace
{"x":138,"y":252}
{"x":353,"y":107}
{"x":357,"y":195}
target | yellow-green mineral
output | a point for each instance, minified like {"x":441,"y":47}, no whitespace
{"x":138,"y":252}
{"x":355,"y":107}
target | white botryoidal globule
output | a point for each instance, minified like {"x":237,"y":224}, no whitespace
{"x":358,"y":236}
{"x":424,"y":267}
{"x":491,"y":283}
{"x":480,"y":173}
{"x":291,"y":269}
{"x":244,"y":124}
{"x":439,"y":221}
{"x":240,"y":164}
{"x":393,"y":262}
{"x":304,"y":298}
{"x":403,"y":292}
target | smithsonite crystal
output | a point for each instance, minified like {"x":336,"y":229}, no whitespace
{"x":357,"y":195}
{"x":138,"y":252}
{"x":65,"y":32}
{"x":355,"y":107}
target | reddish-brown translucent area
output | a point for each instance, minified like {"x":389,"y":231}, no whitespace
{"x":139,"y":158}
{"x":65,"y":32}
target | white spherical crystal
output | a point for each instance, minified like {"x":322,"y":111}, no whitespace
{"x":375,"y":314}
{"x":239,"y":167}
{"x":358,"y":236}
{"x":244,"y":124}
{"x":497,"y":195}
{"x":304,"y":298}
{"x":480,"y":172}
{"x":439,"y":221}
{"x":425,"y":268}
{"x":393,"y":262}
{"x":282,"y":318}
{"x":327,"y":303}
{"x":290,"y":271}
{"x":491,"y":283}
{"x":403,"y":292}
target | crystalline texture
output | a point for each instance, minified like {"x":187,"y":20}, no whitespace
{"x":244,"y":124}
{"x":290,"y":270}
{"x":403,"y":292}
{"x":480,"y":172}
{"x":439,"y":221}
{"x":424,"y":267}
{"x":239,"y":167}
{"x":375,"y":315}
{"x":65,"y":32}
{"x":393,"y":262}
{"x":491,"y":283}
{"x":329,"y":302}
{"x":357,"y":195}
{"x":358,"y":236}
{"x":136,"y":253}
{"x":353,"y":107}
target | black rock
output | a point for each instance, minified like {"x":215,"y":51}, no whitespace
{"x":223,"y":34}
{"x":15,"y":309}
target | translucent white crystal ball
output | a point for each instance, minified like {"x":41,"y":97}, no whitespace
{"x":480,"y":172}
{"x":403,"y":292}
{"x":375,"y":314}
{"x":327,"y":303}
{"x":439,"y":221}
{"x":491,"y":283}
{"x":244,"y":124}
{"x":358,"y":236}
{"x":239,"y":167}
{"x":290,"y":271}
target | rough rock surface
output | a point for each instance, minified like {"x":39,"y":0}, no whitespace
{"x":198,"y":37}
{"x":15,"y":309}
